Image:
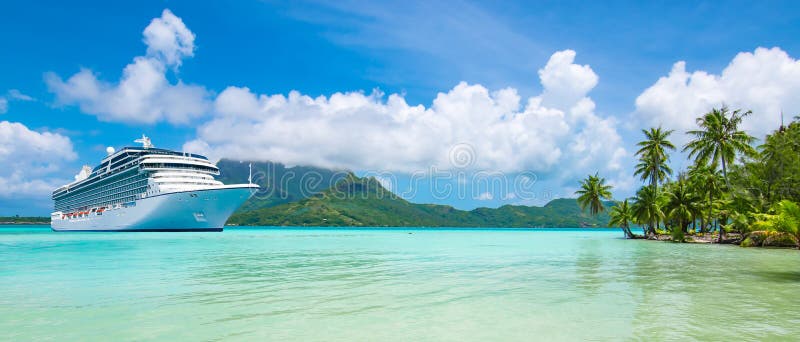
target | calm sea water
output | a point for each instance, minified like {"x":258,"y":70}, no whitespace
{"x":396,"y":284}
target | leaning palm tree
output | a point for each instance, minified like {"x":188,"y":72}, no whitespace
{"x":653,"y":156}
{"x":647,"y":209}
{"x":719,"y":139}
{"x":621,"y":215}
{"x":592,"y":193}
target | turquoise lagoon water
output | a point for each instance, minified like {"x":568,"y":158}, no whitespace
{"x":389,"y":284}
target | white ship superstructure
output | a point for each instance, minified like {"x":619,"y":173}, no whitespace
{"x":147,"y":189}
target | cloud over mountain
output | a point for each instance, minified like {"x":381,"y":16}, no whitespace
{"x":546,"y":133}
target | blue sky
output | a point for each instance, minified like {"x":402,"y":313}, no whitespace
{"x":417,"y":50}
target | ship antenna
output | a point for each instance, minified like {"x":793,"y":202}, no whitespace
{"x":250,"y":175}
{"x":145,"y":141}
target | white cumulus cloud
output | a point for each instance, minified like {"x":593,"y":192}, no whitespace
{"x":169,"y":39}
{"x":766,"y":81}
{"x":565,"y":82}
{"x":143,"y":94}
{"x":28,"y":157}
{"x":556,"y":132}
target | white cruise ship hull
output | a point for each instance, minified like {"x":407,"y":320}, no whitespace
{"x":194,"y":210}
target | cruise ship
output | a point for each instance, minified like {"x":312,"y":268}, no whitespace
{"x":147,"y":189}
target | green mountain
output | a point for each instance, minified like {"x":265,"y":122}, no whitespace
{"x":357,"y":201}
{"x":279,"y":184}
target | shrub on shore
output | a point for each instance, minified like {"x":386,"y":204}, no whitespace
{"x":769,"y":238}
{"x":779,"y":239}
{"x":678,"y":235}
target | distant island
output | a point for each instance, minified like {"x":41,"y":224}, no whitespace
{"x":24,"y":220}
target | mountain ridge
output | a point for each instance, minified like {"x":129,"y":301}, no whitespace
{"x":279,"y":183}
{"x":364,"y":202}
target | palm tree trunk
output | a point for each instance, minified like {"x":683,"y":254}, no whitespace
{"x":627,"y":230}
{"x":654,"y":183}
{"x":725,"y":173}
{"x":728,"y":186}
{"x":702,"y":224}
{"x":710,"y":209}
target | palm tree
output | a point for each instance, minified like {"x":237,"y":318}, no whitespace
{"x":621,"y":215}
{"x":779,"y":155}
{"x":592,"y":193}
{"x":707,"y":181}
{"x":775,"y":146}
{"x":653,"y":156}
{"x":719,"y":139}
{"x":682,"y":204}
{"x":647,"y":208}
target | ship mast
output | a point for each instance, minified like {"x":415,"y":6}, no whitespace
{"x":145,"y":141}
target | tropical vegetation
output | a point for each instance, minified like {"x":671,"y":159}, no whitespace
{"x":736,"y":189}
